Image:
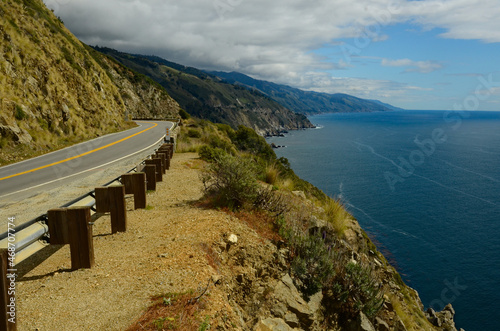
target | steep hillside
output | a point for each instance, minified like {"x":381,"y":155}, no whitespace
{"x":54,"y":89}
{"x":143,"y":97}
{"x":306,"y":102}
{"x":205,"y":96}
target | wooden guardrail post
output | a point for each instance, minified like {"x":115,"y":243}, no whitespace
{"x":102,"y":203}
{"x":150,"y":171}
{"x":167,"y":163}
{"x":164,"y":158}
{"x":162,"y":164}
{"x":80,"y":237}
{"x":157,"y":163}
{"x":58,"y":226}
{"x":171,"y":149}
{"x":135,"y":183}
{"x":168,"y":148}
{"x":112,"y":199}
{"x":117,"y":208}
{"x":8,"y":306}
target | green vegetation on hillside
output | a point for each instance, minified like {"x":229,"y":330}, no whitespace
{"x":244,"y":175}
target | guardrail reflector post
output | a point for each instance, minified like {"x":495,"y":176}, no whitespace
{"x":118,"y":208}
{"x":80,"y":238}
{"x":58,"y":226}
{"x":135,"y":183}
{"x":150,"y":171}
{"x":8,"y":304}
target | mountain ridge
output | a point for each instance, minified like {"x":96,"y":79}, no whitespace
{"x":305,"y":102}
{"x":208,"y":97}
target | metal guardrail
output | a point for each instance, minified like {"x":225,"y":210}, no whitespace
{"x":33,"y":236}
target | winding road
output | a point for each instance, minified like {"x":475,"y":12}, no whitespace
{"x":20,"y":180}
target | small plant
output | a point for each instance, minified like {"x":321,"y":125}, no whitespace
{"x":163,"y":323}
{"x":184,"y":114}
{"x":272,"y":174}
{"x":205,"y":325}
{"x":337,"y":215}
{"x":230,"y":181}
{"x":357,"y":290}
{"x":19,"y":113}
{"x":313,"y":263}
{"x":193,"y":133}
{"x":210,"y":154}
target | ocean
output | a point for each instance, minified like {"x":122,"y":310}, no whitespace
{"x":425,"y":185}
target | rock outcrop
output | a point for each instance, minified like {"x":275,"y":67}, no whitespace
{"x":263,"y":291}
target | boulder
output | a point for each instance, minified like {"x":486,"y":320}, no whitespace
{"x":286,"y":292}
{"x":381,"y":325}
{"x":272,"y":324}
{"x":292,"y":320}
{"x":300,"y":194}
{"x":17,"y":134}
{"x":315,"y":302}
{"x":232,"y":239}
{"x":361,"y":323}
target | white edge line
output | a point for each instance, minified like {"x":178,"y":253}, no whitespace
{"x":84,"y":171}
{"x":68,"y":147}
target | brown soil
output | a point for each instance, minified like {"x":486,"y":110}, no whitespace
{"x":167,"y":249}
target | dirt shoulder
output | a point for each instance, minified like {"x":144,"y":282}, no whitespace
{"x":165,"y":250}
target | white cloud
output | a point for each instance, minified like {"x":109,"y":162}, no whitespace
{"x":273,"y":40}
{"x":423,"y":67}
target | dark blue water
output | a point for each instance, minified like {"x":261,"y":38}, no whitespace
{"x":426,"y":186}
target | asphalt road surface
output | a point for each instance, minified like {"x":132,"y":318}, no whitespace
{"x":20,"y":180}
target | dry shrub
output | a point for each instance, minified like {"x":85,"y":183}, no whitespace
{"x":260,"y":221}
{"x":286,"y":184}
{"x":337,"y":215}
{"x":171,"y":311}
{"x":272,"y":174}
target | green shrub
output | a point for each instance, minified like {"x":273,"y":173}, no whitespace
{"x":193,"y":133}
{"x":357,"y":290}
{"x":19,"y":113}
{"x":210,"y":154}
{"x":230,"y":181}
{"x":272,"y":174}
{"x":217,"y":142}
{"x":313,"y":261}
{"x":248,"y":140}
{"x":184,"y":114}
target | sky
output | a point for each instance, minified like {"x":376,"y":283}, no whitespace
{"x":427,"y":54}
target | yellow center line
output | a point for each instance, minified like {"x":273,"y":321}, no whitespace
{"x":79,"y":155}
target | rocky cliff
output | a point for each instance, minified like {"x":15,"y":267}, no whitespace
{"x":205,"y":96}
{"x":55,"y":91}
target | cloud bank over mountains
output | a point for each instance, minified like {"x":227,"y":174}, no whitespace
{"x":276,"y":40}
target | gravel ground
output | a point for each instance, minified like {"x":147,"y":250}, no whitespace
{"x":163,"y":251}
